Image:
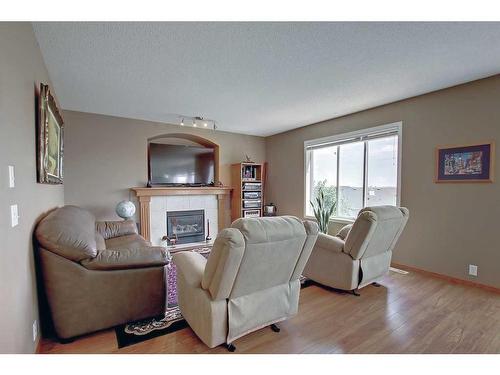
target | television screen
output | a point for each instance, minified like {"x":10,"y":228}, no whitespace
{"x":180,"y":165}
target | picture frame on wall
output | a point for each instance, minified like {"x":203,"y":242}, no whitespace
{"x":50,"y":142}
{"x":465,"y":163}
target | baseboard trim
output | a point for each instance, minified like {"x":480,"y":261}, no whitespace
{"x":451,"y":279}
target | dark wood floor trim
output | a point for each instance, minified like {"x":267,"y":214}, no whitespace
{"x":451,"y":279}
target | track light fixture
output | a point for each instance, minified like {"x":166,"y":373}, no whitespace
{"x":198,"y":122}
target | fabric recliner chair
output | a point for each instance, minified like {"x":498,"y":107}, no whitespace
{"x":250,"y":280}
{"x":361,"y":252}
{"x":98,"y":274}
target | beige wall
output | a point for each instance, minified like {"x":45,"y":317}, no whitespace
{"x":105,"y":156}
{"x":451,"y":225}
{"x":21,"y":69}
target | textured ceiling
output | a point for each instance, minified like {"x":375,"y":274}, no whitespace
{"x":259,"y":78}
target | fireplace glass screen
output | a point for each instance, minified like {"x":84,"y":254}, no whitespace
{"x":186,"y":226}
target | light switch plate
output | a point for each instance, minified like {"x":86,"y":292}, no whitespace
{"x":14,"y":215}
{"x":12,"y":178}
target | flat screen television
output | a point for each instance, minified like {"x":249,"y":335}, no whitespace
{"x":178,"y":165}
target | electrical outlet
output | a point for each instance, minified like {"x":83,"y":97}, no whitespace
{"x":472,"y":270}
{"x":35,"y":330}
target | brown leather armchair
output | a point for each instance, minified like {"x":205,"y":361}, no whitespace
{"x":98,"y":274}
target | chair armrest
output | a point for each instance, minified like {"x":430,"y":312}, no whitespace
{"x":110,"y":229}
{"x":191,"y":265}
{"x":330,"y":243}
{"x":120,"y":259}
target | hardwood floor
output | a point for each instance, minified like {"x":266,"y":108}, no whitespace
{"x":412,"y":313}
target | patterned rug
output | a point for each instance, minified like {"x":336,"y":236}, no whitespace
{"x":142,"y":330}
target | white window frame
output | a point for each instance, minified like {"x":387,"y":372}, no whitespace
{"x":395,"y":127}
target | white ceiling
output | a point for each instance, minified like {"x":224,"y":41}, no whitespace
{"x":259,"y":78}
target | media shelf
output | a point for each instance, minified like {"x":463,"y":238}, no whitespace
{"x":248,"y":190}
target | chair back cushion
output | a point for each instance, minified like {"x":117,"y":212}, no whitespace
{"x":223,"y":263}
{"x":375,"y":231}
{"x":68,"y":231}
{"x":273,"y":246}
{"x":312,"y":231}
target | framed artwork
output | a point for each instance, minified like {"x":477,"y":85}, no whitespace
{"x":467,"y":163}
{"x":50,"y":139}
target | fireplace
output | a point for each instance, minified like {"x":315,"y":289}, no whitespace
{"x":187,"y":226}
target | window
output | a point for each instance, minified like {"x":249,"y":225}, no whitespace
{"x":354,"y":170}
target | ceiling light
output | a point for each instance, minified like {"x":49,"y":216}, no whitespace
{"x":197,"y":122}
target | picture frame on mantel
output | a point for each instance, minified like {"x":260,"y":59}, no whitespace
{"x":465,"y":163}
{"x":50,"y":139}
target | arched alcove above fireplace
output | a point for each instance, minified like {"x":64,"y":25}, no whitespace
{"x":184,"y":139}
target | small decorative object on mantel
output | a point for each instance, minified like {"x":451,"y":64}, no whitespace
{"x":125,"y":209}
{"x":50,"y":148}
{"x":467,"y":163}
{"x":208,"y":238}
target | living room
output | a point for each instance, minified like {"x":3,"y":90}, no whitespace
{"x":250,"y":187}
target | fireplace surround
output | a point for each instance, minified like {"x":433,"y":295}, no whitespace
{"x":154,"y":202}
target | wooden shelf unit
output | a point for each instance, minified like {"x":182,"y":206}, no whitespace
{"x":248,"y":189}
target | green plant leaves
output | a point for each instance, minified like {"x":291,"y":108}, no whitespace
{"x":322,"y":212}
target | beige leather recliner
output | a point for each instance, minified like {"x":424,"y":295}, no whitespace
{"x":361,"y":252}
{"x":250,"y":280}
{"x":98,"y":274}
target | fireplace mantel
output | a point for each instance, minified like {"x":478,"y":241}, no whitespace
{"x":144,"y":195}
{"x":202,"y":190}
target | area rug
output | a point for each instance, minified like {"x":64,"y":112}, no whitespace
{"x":142,"y":330}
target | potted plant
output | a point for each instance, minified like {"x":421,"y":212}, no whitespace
{"x":322,"y":210}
